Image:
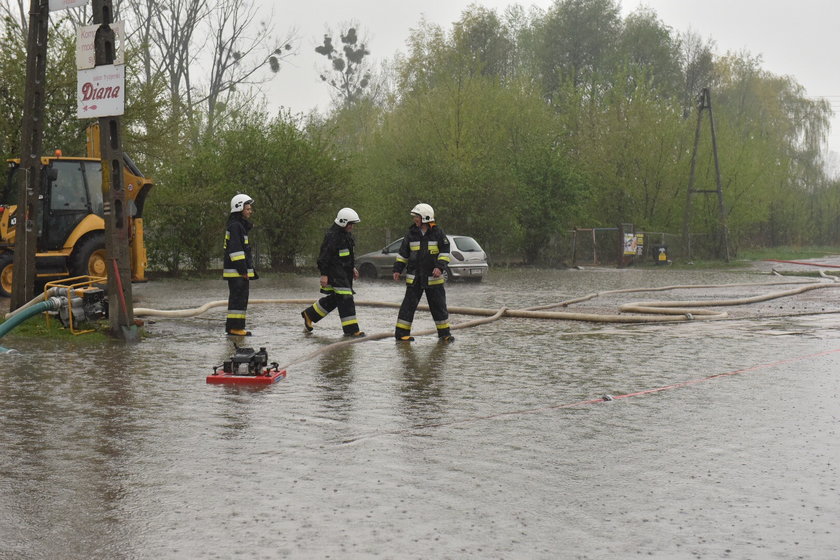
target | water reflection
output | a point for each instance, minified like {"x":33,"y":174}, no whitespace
{"x":335,"y":375}
{"x":238,"y":401}
{"x":421,"y":388}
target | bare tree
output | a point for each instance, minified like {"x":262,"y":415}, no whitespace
{"x":164,"y":37}
{"x":177,"y":38}
{"x":238,"y":56}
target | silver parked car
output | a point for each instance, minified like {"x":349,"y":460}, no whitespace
{"x":469,"y":261}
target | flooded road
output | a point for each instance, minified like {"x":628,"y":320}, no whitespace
{"x":721,"y":441}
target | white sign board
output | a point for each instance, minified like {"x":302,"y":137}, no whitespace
{"x":56,"y":5}
{"x":85,"y":49}
{"x":100,"y":92}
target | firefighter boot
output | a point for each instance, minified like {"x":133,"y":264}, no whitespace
{"x":307,"y":322}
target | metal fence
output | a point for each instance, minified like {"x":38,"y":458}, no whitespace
{"x":601,"y":246}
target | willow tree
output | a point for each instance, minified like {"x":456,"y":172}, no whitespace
{"x":773,"y":133}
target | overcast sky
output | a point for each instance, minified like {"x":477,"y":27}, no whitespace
{"x":792,"y":38}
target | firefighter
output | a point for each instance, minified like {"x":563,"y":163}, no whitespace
{"x":336,"y":263}
{"x":239,"y":263}
{"x":423,"y":256}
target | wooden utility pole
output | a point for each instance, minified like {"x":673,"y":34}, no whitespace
{"x":28,"y":215}
{"x":705,"y":104}
{"x":117,"y":221}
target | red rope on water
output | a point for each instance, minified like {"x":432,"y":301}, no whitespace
{"x":603,"y":399}
{"x":726,"y":374}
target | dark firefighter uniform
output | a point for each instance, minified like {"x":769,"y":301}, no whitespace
{"x":238,"y":270}
{"x":419,"y":254}
{"x":336,"y":261}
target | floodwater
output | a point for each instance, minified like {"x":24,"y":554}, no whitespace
{"x":497,"y":446}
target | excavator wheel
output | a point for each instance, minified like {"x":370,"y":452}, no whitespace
{"x":6,"y":270}
{"x":89,"y":257}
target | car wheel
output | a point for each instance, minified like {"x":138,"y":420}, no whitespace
{"x":367,"y":271}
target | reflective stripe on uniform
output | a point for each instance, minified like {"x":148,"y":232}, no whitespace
{"x":433,"y":248}
{"x":235,"y":314}
{"x":409,"y":279}
{"x":237,"y":256}
{"x":444,"y":257}
{"x":414,"y":245}
{"x":344,"y":252}
{"x":349,"y":321}
{"x":435,"y":281}
{"x":343,"y":291}
{"x":231,"y":273}
{"x":401,"y":260}
{"x":318,"y":310}
{"x":405,"y":325}
{"x":442,"y":324}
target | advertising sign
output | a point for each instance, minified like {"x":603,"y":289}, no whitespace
{"x":56,"y":5}
{"x":630,"y":244}
{"x":100,"y":92}
{"x":85,"y":48}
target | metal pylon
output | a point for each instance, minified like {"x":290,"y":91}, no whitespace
{"x":705,"y":104}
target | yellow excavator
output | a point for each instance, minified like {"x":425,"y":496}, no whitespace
{"x":71,"y":232}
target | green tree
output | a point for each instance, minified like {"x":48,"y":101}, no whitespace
{"x":12,"y":83}
{"x":295,"y":176}
{"x":487,"y":40}
{"x":60,"y":127}
{"x":484,"y":152}
{"x":651,"y":52}
{"x":772,"y":162}
{"x":577,"y":43}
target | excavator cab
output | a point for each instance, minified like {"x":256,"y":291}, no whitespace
{"x":71,"y":229}
{"x":72,"y":189}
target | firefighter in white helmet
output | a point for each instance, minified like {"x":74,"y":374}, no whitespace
{"x":238,"y":264}
{"x":423,"y":256}
{"x":337,"y":265}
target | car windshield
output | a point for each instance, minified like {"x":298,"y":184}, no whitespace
{"x":466,"y":244}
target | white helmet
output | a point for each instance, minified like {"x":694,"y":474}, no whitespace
{"x":347,"y":216}
{"x":426,"y":213}
{"x":238,"y":202}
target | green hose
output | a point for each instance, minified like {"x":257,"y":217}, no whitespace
{"x":51,"y":304}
